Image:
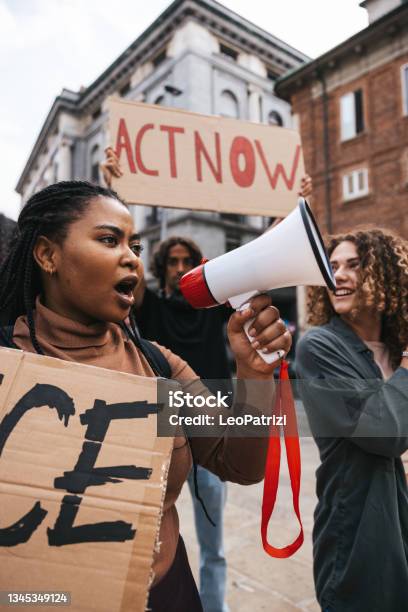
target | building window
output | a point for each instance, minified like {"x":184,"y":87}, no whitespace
{"x":159,"y":100}
{"x":154,"y":216}
{"x":404,"y":84}
{"x":232,"y":240}
{"x":95,"y":160}
{"x":355,"y":184}
{"x":351,"y":114}
{"x":404,"y":167}
{"x":271,"y":75}
{"x":260,"y":102}
{"x":229,"y":105}
{"x":228,"y":52}
{"x":274,"y":118}
{"x":160,"y":57}
{"x":125,"y":89}
{"x":232,"y":217}
{"x":97,"y":113}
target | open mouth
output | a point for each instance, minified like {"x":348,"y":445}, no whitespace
{"x":343,"y":292}
{"x":125,"y":289}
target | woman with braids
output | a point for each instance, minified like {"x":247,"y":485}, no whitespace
{"x":66,"y":290}
{"x":354,"y":383}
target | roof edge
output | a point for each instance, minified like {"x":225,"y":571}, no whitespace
{"x":65,"y":101}
{"x":285,"y":84}
{"x":76,"y":102}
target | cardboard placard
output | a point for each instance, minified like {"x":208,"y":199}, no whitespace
{"x":186,"y":160}
{"x":82,"y":481}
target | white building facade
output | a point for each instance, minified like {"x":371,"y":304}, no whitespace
{"x":197,"y":55}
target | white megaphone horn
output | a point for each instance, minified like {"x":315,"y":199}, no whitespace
{"x":290,"y":254}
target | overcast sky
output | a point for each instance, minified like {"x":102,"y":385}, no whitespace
{"x":46,"y":45}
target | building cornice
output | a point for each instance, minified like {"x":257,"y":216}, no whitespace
{"x":66,"y":101}
{"x":218,"y":19}
{"x":388,"y":25}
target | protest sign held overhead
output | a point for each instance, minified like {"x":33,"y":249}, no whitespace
{"x":186,"y":160}
{"x":82,"y":481}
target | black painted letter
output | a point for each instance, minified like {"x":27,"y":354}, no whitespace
{"x":85,"y":474}
{"x":37,"y":397}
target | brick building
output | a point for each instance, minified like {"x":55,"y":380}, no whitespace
{"x":352,"y":107}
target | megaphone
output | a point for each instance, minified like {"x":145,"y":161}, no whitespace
{"x":290,"y":254}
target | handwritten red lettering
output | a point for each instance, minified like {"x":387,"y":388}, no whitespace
{"x":279,"y":169}
{"x":201,"y":150}
{"x":241,"y":146}
{"x":138,"y":153}
{"x":171,"y":131}
{"x":123,"y":142}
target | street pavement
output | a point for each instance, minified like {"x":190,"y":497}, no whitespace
{"x":257,"y":582}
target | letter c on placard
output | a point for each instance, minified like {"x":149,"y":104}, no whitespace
{"x":37,"y":397}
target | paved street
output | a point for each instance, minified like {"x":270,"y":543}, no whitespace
{"x":256,"y":582}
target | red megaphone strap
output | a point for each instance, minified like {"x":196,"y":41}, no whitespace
{"x":284,"y":399}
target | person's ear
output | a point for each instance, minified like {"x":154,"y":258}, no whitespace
{"x":45,"y":255}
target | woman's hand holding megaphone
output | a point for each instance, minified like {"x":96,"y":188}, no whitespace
{"x":268,"y":334}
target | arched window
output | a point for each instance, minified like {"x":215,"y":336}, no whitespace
{"x":229,"y":105}
{"x":274,"y":118}
{"x":95,"y":160}
{"x":159,"y":100}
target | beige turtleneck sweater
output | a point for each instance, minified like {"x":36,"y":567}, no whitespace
{"x":104,"y":345}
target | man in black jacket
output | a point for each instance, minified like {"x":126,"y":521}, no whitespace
{"x":198,"y":337}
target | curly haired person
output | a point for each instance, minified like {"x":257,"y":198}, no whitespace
{"x":353,"y":371}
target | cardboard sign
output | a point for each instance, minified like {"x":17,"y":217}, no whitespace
{"x":82,"y":481}
{"x":185,"y":160}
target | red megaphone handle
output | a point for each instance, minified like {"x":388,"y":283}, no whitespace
{"x":284,"y":398}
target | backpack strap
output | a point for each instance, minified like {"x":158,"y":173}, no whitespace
{"x":154,"y":354}
{"x":159,"y":363}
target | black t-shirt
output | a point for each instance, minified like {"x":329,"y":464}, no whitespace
{"x":197,"y":336}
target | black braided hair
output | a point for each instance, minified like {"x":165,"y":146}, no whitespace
{"x":48,"y":213}
{"x":7,"y":229}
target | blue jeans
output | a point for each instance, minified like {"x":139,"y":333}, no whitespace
{"x":213,"y":566}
